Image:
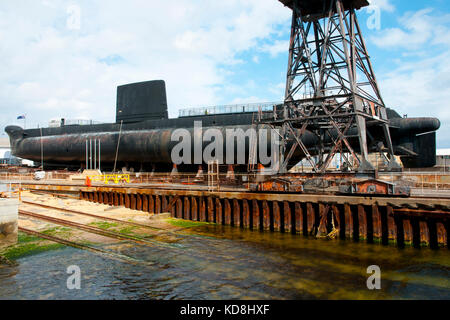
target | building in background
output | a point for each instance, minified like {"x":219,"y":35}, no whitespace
{"x":380,"y":162}
{"x":7,"y":158}
{"x":5,"y":151}
{"x":443,"y":159}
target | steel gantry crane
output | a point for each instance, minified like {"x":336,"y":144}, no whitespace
{"x":331,"y":89}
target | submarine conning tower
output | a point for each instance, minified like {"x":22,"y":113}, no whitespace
{"x":141,"y":101}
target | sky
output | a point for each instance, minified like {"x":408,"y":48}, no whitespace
{"x":65,"y":58}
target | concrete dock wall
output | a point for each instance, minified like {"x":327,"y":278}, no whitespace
{"x":8,"y":221}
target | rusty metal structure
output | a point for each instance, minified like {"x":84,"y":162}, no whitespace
{"x":331,"y":88}
{"x":386,"y":220}
{"x":403,"y":221}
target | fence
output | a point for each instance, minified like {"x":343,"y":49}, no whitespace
{"x":422,"y":180}
{"x":237,"y":108}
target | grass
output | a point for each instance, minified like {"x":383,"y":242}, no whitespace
{"x":185,"y":223}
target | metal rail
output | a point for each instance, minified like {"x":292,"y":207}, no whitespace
{"x":91,"y":229}
{"x":58,"y":195}
{"x":109,"y":254}
{"x":91,"y":215}
{"x":111,"y":219}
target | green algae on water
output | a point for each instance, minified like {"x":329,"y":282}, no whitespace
{"x":57,"y":231}
{"x":19,"y":251}
{"x":103,"y":224}
{"x":186,"y":223}
{"x":29,"y":245}
{"x":127,"y":230}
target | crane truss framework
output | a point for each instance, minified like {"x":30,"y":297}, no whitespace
{"x":331,"y":88}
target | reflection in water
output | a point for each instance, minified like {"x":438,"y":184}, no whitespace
{"x":221,"y":262}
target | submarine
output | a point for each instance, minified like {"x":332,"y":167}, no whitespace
{"x":141,"y":137}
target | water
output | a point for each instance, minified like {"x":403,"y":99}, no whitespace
{"x":221,"y":262}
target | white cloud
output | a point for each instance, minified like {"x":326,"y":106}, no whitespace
{"x":278,"y":89}
{"x":420,"y":89}
{"x":418,"y":86}
{"x":245,"y":100}
{"x":417,"y":29}
{"x":49,"y":70}
{"x":232,"y":30}
{"x":275,"y":48}
{"x":383,"y":5}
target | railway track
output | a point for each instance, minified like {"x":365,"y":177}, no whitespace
{"x":140,"y":225}
{"x":58,"y":195}
{"x":95,"y":230}
{"x":124,"y":258}
{"x":135,"y":224}
{"x":108,"y":254}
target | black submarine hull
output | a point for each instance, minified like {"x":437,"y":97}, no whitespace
{"x":148,"y":145}
{"x":145,"y":134}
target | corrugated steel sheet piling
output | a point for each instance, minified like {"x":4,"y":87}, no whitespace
{"x":402,"y":221}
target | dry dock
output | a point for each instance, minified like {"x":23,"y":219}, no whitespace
{"x":416,"y":221}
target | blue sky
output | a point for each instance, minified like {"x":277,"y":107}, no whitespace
{"x":66,"y":58}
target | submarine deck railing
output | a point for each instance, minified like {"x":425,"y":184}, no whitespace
{"x":226,"y":109}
